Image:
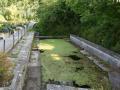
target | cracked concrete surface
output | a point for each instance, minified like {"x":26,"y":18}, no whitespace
{"x":33,"y":81}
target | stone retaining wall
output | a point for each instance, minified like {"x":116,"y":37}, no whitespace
{"x":21,"y":67}
{"x":100,"y":52}
{"x":51,"y":37}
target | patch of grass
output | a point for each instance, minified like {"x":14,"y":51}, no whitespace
{"x":105,"y":64}
{"x":58,"y":67}
{"x":14,"y":55}
{"x":34,"y":44}
{"x":5,"y":69}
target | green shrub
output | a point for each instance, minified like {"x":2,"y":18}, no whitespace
{"x":2,"y":19}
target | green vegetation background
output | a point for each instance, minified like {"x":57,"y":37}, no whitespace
{"x":95,"y":20}
{"x":18,"y":10}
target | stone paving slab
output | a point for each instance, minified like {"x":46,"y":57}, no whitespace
{"x":33,"y":81}
{"x":62,"y":87}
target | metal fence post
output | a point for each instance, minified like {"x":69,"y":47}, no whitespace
{"x":18,"y":35}
{"x":13,"y":39}
{"x":21,"y":33}
{"x":4,"y":45}
{"x":24,"y":32}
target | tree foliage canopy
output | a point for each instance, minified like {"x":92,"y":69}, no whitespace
{"x":86,"y":18}
{"x":16,"y":10}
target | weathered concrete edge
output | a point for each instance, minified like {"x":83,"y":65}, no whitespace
{"x":19,"y":76}
{"x":60,"y":87}
{"x":18,"y":83}
{"x":100,"y":52}
{"x":51,"y":37}
{"x":15,"y":43}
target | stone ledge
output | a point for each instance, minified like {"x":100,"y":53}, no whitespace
{"x":63,"y":87}
{"x":100,"y":52}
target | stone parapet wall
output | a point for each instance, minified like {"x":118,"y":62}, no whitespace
{"x":96,"y":50}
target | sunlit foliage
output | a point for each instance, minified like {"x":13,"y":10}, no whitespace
{"x":5,"y":69}
{"x":18,"y":10}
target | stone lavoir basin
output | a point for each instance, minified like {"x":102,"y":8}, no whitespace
{"x":63,"y":64}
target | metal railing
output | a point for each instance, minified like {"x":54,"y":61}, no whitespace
{"x":8,"y":43}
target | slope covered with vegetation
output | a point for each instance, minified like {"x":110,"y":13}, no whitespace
{"x":86,"y":18}
{"x":18,"y":10}
{"x":5,"y":70}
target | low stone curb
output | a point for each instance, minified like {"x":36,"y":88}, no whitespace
{"x":63,"y":87}
{"x":51,"y":37}
{"x":112,"y":58}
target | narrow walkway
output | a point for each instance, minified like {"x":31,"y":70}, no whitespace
{"x":21,"y":54}
{"x":33,"y":81}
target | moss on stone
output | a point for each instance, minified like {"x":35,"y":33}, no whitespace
{"x":58,"y":67}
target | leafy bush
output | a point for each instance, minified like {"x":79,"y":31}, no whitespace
{"x":58,"y":19}
{"x":5,"y":69}
{"x":2,"y":19}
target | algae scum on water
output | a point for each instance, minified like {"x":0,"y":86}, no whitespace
{"x":63,"y":64}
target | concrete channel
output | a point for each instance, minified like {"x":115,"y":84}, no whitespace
{"x":33,"y":76}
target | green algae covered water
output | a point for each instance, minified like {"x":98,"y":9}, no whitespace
{"x":63,"y":64}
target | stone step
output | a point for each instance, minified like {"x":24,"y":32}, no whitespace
{"x":33,"y":81}
{"x":62,"y":87}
